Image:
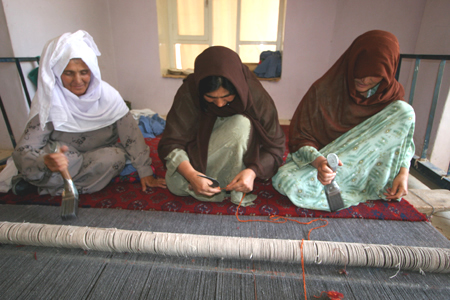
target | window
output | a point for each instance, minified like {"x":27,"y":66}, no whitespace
{"x":187,"y":27}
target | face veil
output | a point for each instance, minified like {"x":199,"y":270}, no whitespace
{"x":332,"y":106}
{"x":189,"y":128}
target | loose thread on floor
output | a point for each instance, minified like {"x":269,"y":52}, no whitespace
{"x":274,"y":219}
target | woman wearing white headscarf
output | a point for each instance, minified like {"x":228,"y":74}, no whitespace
{"x":85,"y":115}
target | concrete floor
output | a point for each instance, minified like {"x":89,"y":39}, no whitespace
{"x":440,"y":220}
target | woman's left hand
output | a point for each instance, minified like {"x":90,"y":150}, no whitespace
{"x":150,"y":181}
{"x":243,"y":182}
{"x":399,"y":186}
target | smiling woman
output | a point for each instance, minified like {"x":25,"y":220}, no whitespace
{"x":73,"y":107}
{"x":76,"y":76}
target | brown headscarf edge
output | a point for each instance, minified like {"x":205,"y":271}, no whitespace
{"x":189,"y":128}
{"x":332,"y":106}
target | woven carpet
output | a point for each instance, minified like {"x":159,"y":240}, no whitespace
{"x":125,"y":193}
{"x":32,"y":272}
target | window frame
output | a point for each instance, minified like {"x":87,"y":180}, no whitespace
{"x":280,"y":34}
{"x":175,"y":38}
{"x":206,"y":39}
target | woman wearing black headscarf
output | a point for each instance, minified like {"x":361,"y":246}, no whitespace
{"x":222,"y":124}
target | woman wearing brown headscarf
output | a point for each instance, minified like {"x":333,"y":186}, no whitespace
{"x":222,"y":124}
{"x":352,"y":111}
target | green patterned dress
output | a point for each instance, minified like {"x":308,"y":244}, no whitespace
{"x":372,"y":153}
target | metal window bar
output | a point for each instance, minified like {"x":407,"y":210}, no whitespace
{"x":424,"y":167}
{"x":17,"y":61}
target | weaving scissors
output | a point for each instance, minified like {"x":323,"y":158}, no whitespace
{"x":214,"y":184}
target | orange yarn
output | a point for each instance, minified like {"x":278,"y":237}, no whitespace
{"x":303,"y":270}
{"x":275,"y":219}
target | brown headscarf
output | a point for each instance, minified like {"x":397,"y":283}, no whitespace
{"x":188,"y":127}
{"x":332,"y":106}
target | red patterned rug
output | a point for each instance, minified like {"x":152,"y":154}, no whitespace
{"x":125,"y":193}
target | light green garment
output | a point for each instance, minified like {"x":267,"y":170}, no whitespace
{"x":226,"y":149}
{"x":372,"y":153}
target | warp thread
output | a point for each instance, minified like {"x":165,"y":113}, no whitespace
{"x":419,"y":259}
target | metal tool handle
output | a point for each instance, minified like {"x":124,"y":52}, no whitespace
{"x":332,"y":190}
{"x":333,"y":161}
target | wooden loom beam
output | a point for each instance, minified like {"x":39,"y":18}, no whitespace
{"x":189,"y":245}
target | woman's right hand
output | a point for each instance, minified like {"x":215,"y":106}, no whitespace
{"x":198,"y":184}
{"x":324,"y":173}
{"x":201,"y":186}
{"x":57,"y":162}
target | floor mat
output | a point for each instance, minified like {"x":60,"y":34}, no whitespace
{"x":125,"y":193}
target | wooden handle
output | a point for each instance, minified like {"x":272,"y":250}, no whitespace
{"x":65,"y":174}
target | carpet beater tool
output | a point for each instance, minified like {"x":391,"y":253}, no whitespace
{"x":332,"y":190}
{"x":69,"y":201}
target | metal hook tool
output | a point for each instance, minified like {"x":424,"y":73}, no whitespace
{"x":215,"y":183}
{"x":332,"y":190}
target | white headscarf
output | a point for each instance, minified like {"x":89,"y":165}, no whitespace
{"x":99,"y":107}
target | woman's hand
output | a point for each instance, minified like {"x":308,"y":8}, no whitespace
{"x":399,"y":186}
{"x":201,"y":186}
{"x":198,"y":184}
{"x":324,"y":172}
{"x":243,"y":182}
{"x":150,"y":181}
{"x":57,"y":162}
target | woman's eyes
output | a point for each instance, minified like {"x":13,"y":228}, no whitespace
{"x":73,"y":73}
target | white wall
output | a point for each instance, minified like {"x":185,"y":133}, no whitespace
{"x":354,"y":17}
{"x":137,"y":56}
{"x":308,"y":34}
{"x":317,"y":33}
{"x":10,"y":89}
